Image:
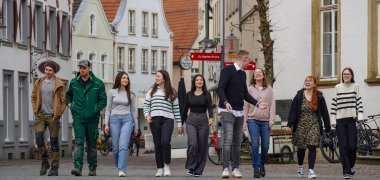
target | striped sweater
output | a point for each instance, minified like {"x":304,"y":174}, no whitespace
{"x":156,"y":105}
{"x":347,"y":102}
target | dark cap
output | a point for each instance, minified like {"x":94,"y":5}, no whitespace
{"x":85,"y":63}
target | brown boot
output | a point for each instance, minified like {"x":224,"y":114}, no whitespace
{"x":76,"y":172}
{"x":53,"y":171}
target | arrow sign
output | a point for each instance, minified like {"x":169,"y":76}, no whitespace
{"x":198,"y":56}
{"x":250,"y":67}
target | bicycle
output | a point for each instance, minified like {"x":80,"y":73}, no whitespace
{"x":329,"y":143}
{"x":104,"y":145}
{"x":375,"y":137}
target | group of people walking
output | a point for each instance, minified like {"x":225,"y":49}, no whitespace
{"x":240,"y":107}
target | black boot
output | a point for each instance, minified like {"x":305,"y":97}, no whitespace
{"x":53,"y":171}
{"x":76,"y":172}
{"x":262,"y":171}
{"x":44,"y":167}
{"x":256,"y":174}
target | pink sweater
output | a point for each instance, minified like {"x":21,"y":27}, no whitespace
{"x":262,"y":95}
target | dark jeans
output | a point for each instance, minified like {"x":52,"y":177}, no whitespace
{"x":232,"y":137}
{"x":85,"y":131}
{"x":311,"y":156}
{"x":259,"y":131}
{"x":197,"y":141}
{"x":347,"y":141}
{"x":162,"y":130}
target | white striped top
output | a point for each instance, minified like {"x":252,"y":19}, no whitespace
{"x":347,"y":102}
{"x":156,"y":105}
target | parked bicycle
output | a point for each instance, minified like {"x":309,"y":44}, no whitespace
{"x":365,"y":142}
{"x":375,"y":135}
{"x":104,"y":145}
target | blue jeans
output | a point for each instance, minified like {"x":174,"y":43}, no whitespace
{"x":121,"y":127}
{"x":256,"y":130}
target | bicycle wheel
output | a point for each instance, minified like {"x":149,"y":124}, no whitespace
{"x":107,"y":147}
{"x":213,"y":155}
{"x":286,"y":154}
{"x":375,"y":138}
{"x":330,"y":149}
{"x":364,"y":146}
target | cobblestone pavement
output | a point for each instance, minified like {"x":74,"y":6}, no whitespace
{"x":143,"y":167}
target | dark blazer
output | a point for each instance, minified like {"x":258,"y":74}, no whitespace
{"x":322,"y":112}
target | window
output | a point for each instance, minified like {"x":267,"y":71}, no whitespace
{"x":132,"y":22}
{"x":23,"y":114}
{"x":144,"y":60}
{"x":194,"y":71}
{"x":154,"y":61}
{"x":92,"y":29}
{"x":92,"y":57}
{"x":131,"y":59}
{"x":39,"y":26}
{"x":329,"y":14}
{"x":120,"y":59}
{"x":373,"y":72}
{"x":164,"y":59}
{"x":53,"y":30}
{"x":24,"y":22}
{"x":154,"y":24}
{"x":145,"y":24}
{"x":8,"y":20}
{"x":65,"y":35}
{"x":326,"y":42}
{"x":103,"y":66}
{"x":80,"y":55}
{"x":8,"y":103}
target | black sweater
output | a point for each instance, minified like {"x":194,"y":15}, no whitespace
{"x":232,"y":88}
{"x":322,"y":112}
{"x":197,"y":104}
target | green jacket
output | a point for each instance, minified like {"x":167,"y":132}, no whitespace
{"x":87,"y":100}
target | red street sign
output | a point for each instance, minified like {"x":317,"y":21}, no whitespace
{"x":251,"y":66}
{"x":198,"y":56}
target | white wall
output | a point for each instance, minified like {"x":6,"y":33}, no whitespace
{"x":292,"y":53}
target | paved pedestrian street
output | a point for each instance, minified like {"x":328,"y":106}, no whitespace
{"x":143,"y":167}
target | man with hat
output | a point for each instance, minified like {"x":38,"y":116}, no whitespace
{"x":49,"y":102}
{"x":86,"y":97}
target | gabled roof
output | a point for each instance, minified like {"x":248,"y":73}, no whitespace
{"x":182,"y":17}
{"x":76,"y":5}
{"x":110,"y":8}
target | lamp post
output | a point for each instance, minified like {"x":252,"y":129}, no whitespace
{"x":1,"y":28}
{"x":204,"y":44}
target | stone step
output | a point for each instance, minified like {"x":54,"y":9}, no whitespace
{"x":372,"y":160}
{"x":376,"y":152}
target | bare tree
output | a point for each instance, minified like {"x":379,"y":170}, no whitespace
{"x":266,"y":41}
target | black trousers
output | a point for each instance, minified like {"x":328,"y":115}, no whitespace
{"x":162,"y":130}
{"x":197,"y":141}
{"x":311,"y":156}
{"x":347,"y":141}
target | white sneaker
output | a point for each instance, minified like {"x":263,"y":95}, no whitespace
{"x":226,"y":173}
{"x":160,"y":172}
{"x":167,"y":171}
{"x":121,"y":174}
{"x":236,"y":173}
{"x":300,"y":171}
{"x":311,"y":174}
